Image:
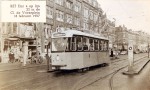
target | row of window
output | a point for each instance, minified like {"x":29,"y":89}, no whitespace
{"x":90,"y":14}
{"x":93,"y":3}
{"x":60,"y":16}
{"x":86,"y":26}
{"x":77,"y":7}
{"x":69,"y":4}
{"x":9,"y":28}
{"x":79,"y":43}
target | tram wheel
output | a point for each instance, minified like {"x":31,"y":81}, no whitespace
{"x":81,"y":70}
{"x":87,"y":68}
{"x":104,"y":64}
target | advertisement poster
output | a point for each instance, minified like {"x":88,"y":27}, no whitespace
{"x":74,"y":44}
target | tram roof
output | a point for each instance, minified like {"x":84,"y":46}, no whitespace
{"x":70,"y":33}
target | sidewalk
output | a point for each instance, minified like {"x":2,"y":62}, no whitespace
{"x":18,"y":65}
{"x":138,"y":66}
{"x":136,"y":81}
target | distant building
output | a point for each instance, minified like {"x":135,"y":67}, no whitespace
{"x":123,"y":35}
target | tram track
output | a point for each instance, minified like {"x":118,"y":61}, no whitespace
{"x":110,"y":74}
{"x":119,"y":60}
{"x":17,"y":84}
{"x":59,"y":76}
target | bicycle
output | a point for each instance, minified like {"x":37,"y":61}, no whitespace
{"x":35,"y":59}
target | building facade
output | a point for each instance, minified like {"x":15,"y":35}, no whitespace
{"x":139,"y":39}
{"x":17,"y":38}
{"x":84,"y":15}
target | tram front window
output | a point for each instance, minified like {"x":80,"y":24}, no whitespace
{"x":59,"y":44}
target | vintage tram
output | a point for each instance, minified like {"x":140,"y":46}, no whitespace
{"x":73,"y":49}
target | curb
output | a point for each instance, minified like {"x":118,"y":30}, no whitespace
{"x":143,"y":67}
{"x":22,"y":67}
{"x":136,"y":72}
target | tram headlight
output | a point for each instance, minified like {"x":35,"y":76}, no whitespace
{"x":57,"y":57}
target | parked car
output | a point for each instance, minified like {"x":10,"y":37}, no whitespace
{"x":123,"y":52}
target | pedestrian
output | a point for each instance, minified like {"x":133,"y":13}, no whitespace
{"x":21,"y":56}
{"x":29,"y":54}
{"x":111,"y":54}
{"x":11,"y":57}
{"x":85,"y":47}
{"x":91,"y":47}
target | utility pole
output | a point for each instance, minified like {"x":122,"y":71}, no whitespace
{"x":148,"y":46}
{"x":1,"y":42}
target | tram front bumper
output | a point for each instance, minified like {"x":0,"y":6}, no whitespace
{"x":58,"y":66}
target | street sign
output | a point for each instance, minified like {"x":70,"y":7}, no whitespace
{"x":130,"y":54}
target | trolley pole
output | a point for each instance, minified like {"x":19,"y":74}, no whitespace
{"x":148,"y":46}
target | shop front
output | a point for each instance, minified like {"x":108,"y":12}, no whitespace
{"x":10,"y":51}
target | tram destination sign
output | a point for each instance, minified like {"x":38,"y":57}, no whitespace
{"x":59,"y":34}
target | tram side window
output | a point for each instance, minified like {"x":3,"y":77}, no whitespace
{"x":96,"y":47}
{"x":85,"y":44}
{"x":102,"y":45}
{"x":106,"y":45}
{"x":104,"y":49}
{"x":91,"y":47}
{"x":79,"y":43}
{"x":68,"y":44}
{"x":73,"y":44}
